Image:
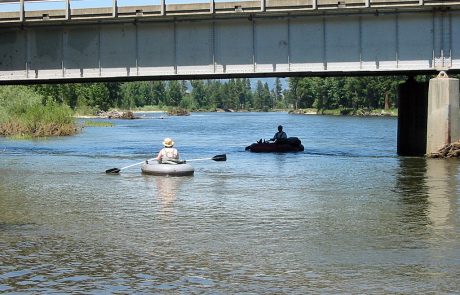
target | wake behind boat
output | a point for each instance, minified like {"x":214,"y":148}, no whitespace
{"x":292,"y":144}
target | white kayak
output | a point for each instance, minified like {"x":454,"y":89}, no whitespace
{"x":153,"y":168}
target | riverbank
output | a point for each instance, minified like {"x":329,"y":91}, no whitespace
{"x":26,"y":114}
{"x":347,"y":112}
{"x":131,"y":114}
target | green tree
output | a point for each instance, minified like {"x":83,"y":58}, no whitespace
{"x":114,"y":93}
{"x":247,"y":98}
{"x":278,"y":94}
{"x":175,"y":93}
{"x":294,"y":92}
{"x":213,"y":93}
{"x":199,"y":93}
{"x":94,"y":95}
{"x":262,"y":99}
{"x":158,"y":92}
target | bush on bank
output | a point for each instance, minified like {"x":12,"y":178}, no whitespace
{"x":25,"y":113}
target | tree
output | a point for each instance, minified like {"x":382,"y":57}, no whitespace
{"x":247,"y":94}
{"x":294,"y":91}
{"x":199,"y":93}
{"x":158,"y":93}
{"x":114,"y":93}
{"x":213,"y":93}
{"x":174,"y":92}
{"x":262,"y":99}
{"x":278,"y":93}
{"x":94,"y":95}
{"x":127,"y":96}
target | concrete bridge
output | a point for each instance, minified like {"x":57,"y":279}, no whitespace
{"x":247,"y":39}
{"x":225,"y":39}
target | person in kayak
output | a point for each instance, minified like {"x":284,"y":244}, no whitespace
{"x":280,"y":136}
{"x":168,"y":154}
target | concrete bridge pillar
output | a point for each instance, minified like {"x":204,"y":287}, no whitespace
{"x":412,"y":118}
{"x":443,"y":125}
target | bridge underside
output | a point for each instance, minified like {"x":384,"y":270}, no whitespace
{"x":250,"y":46}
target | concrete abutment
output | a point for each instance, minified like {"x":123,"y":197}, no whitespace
{"x":429,"y":115}
{"x":443,"y":125}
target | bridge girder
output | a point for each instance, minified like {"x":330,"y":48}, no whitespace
{"x":296,"y":43}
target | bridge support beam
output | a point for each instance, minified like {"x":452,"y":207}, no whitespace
{"x":443,"y":125}
{"x":412,"y":118}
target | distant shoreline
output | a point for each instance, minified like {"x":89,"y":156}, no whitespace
{"x":348,"y":112}
{"x":119,"y":111}
{"x":310,"y":111}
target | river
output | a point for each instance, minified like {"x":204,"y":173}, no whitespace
{"x":347,"y":215}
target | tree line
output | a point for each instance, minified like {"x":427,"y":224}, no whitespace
{"x":43,"y":110}
{"x":320,"y":93}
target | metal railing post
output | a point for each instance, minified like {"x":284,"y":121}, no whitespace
{"x":262,"y":5}
{"x":21,"y":11}
{"x":314,"y":4}
{"x":367,"y":3}
{"x":114,"y":8}
{"x":163,"y":7}
{"x":67,"y":9}
{"x":211,"y":3}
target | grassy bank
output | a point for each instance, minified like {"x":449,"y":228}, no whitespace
{"x":24,"y":113}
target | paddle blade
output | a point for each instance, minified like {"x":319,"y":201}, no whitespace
{"x":112,"y":171}
{"x":220,"y":158}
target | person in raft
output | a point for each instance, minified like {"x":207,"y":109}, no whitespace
{"x":280,"y":136}
{"x":168,"y":154}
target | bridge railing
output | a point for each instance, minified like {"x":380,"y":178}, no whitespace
{"x":39,"y":10}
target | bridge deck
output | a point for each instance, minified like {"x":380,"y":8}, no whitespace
{"x":230,"y":39}
{"x":212,"y":9}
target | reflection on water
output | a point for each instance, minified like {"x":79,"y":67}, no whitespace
{"x":443,"y":192}
{"x":429,"y":192}
{"x":429,"y":189}
{"x":412,"y":186}
{"x":167,"y":189}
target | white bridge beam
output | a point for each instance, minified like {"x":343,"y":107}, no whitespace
{"x":253,"y":44}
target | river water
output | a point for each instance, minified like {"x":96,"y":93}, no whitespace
{"x":347,"y":215}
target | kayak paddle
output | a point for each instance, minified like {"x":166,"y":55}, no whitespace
{"x":117,"y":170}
{"x":217,"y":158}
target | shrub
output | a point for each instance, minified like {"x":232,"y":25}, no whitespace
{"x":24,"y":114}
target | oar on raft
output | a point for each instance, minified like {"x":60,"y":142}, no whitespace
{"x":218,"y":158}
{"x":117,"y":170}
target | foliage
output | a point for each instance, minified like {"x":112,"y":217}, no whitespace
{"x":343,"y":92}
{"x":338,"y":95}
{"x":26,"y":112}
{"x":42,"y":110}
{"x":175,"y":93}
{"x":262,"y":99}
{"x":198,"y":94}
